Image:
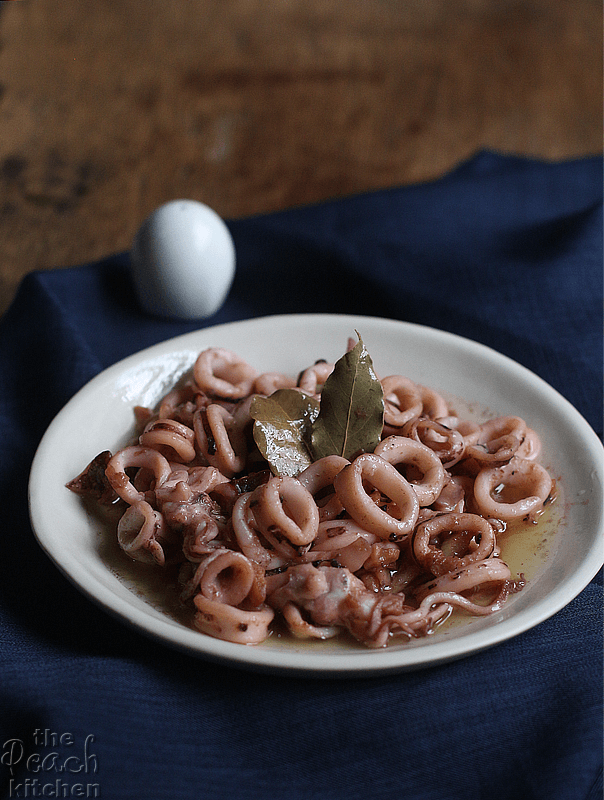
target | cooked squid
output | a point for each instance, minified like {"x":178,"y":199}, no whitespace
{"x":383,"y":545}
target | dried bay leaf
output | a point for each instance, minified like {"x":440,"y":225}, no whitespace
{"x":351,"y":415}
{"x":282,"y":424}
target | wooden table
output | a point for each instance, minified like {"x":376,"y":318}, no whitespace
{"x":108,"y":109}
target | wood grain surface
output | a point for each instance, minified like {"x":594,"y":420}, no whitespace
{"x":108,"y":109}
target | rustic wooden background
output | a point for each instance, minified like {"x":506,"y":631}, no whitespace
{"x":108,"y":109}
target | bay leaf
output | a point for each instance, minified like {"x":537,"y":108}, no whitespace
{"x":351,"y":415}
{"x":282,"y":424}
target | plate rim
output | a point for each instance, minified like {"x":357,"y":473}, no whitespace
{"x":287,"y":661}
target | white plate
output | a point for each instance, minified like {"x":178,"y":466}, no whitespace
{"x":100,"y":417}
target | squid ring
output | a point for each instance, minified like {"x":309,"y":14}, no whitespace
{"x":521,"y":478}
{"x":313,"y":378}
{"x":285,"y":506}
{"x":448,"y":444}
{"x":497,"y":440}
{"x":384,"y":477}
{"x":242,"y":520}
{"x":226,"y":576}
{"x":530,"y":447}
{"x":462,"y":580}
{"x":220,"y":372}
{"x":170,"y":433}
{"x":135,"y":456}
{"x":221,"y":443}
{"x":400,"y":450}
{"x":303,"y":629}
{"x":231,"y":624}
{"x":433,"y":405}
{"x":137,"y":533}
{"x":431,"y":556}
{"x":402,"y":400}
{"x":319,"y":475}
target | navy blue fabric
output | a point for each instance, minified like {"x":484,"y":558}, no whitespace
{"x":505,"y":251}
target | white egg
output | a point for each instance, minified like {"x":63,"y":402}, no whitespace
{"x":183,"y":261}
